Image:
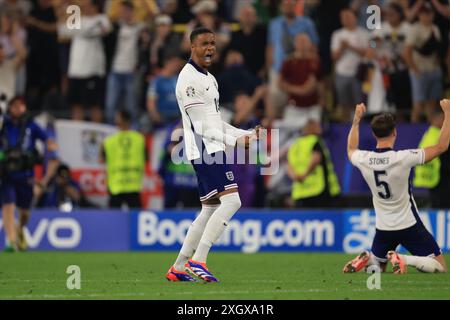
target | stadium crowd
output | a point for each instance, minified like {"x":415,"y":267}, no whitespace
{"x":290,"y":64}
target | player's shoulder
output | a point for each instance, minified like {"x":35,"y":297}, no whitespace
{"x":187,"y":76}
{"x":409,"y":152}
{"x":360,"y":153}
{"x":187,"y":73}
{"x":418,"y":154}
{"x":358,"y":156}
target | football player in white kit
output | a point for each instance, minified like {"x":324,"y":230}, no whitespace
{"x":206,"y":136}
{"x":387,"y":172}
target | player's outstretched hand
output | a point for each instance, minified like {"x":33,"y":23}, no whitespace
{"x":445,"y":105}
{"x":359,"y":111}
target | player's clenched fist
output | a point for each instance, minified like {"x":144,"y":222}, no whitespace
{"x":359,"y":111}
{"x":445,"y":105}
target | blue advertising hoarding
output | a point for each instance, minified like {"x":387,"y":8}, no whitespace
{"x":250,"y":231}
{"x":87,"y":230}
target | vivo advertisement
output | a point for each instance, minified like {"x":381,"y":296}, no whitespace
{"x":250,"y":231}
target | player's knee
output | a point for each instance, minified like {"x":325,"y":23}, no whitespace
{"x":203,"y":217}
{"x":231,"y":200}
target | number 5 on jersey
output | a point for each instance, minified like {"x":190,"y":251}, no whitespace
{"x":382,"y":184}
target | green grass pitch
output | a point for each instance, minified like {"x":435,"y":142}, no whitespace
{"x":270,"y":276}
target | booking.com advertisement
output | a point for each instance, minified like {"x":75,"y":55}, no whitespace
{"x":250,"y":231}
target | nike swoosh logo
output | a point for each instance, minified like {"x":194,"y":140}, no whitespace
{"x":207,"y":89}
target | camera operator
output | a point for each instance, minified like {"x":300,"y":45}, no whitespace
{"x":18,"y":138}
{"x":62,"y":192}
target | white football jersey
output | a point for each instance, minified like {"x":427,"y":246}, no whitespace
{"x":198,"y":99}
{"x":387,"y":172}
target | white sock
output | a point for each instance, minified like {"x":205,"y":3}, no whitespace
{"x":194,"y":235}
{"x":374,"y":261}
{"x":229,"y":204}
{"x":424,"y":264}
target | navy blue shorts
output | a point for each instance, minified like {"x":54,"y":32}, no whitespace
{"x":214,"y":178}
{"x":18,"y":191}
{"x":416,"y":239}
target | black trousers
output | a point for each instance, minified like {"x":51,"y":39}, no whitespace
{"x":132,"y":200}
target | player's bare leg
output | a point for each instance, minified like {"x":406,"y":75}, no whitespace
{"x":423,"y":264}
{"x":8,"y":223}
{"x":229,"y":205}
{"x":24,"y":217}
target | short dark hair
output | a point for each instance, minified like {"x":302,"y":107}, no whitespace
{"x":383,"y":125}
{"x":397,"y":8}
{"x":124,"y":115}
{"x":97,"y":4}
{"x":16,"y":99}
{"x":196,"y":32}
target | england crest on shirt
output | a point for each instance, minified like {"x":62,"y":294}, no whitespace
{"x":230,"y":175}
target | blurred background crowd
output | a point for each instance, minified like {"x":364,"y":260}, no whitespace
{"x":294,"y":65}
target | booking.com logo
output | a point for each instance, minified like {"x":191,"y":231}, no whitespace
{"x":263,"y":152}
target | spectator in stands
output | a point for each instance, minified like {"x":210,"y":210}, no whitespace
{"x":300,"y":80}
{"x":121,"y":79}
{"x":251,"y":38}
{"x":373,"y":75}
{"x":434,"y":175}
{"x":266,"y":10}
{"x":87,"y":63}
{"x":348,"y":46}
{"x":422,"y":55}
{"x":282,"y":31}
{"x":180,"y":180}
{"x":143,"y":10}
{"x":18,"y":139}
{"x":315,"y":184}
{"x":235,"y":78}
{"x":162,"y":103}
{"x":179,"y":11}
{"x":124,"y":155}
{"x":165,"y":43}
{"x":390,"y":43}
{"x":11,"y":28}
{"x":325,"y":15}
{"x":42,"y":67}
{"x":360,"y":7}
{"x":10,"y":64}
{"x":23,"y":7}
{"x":61,"y":7}
{"x":205,"y":12}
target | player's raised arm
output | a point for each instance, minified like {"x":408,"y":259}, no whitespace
{"x":444,"y":139}
{"x":353,"y":136}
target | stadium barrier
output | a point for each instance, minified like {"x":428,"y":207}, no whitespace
{"x":250,"y":231}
